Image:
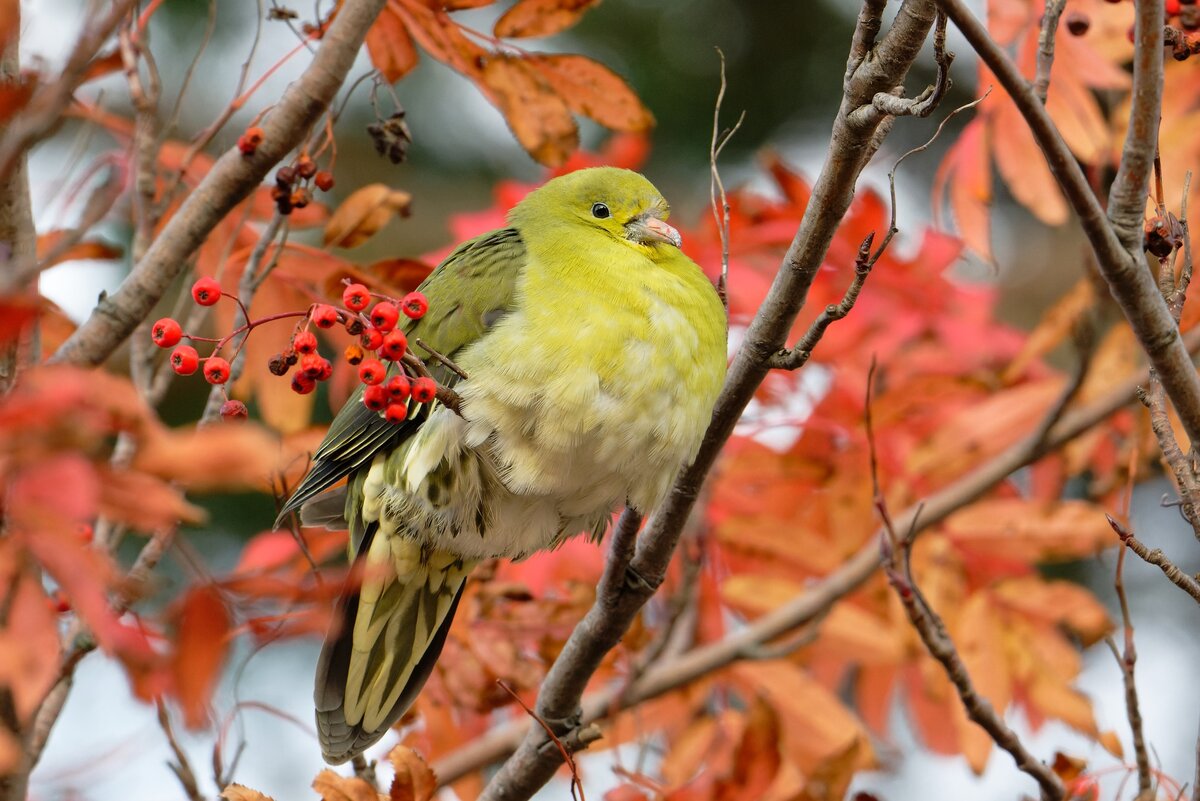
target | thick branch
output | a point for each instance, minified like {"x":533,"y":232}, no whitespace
{"x":230,"y":181}
{"x":1120,"y":260}
{"x":669,"y":675}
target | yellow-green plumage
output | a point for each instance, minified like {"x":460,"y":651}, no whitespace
{"x":594,"y":350}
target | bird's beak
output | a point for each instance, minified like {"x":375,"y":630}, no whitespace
{"x":647,"y":229}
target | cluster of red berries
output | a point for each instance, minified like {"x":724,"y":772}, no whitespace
{"x":1185,"y":13}
{"x":291,"y":189}
{"x":376,"y":331}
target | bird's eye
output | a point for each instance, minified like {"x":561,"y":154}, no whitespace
{"x":600,"y":211}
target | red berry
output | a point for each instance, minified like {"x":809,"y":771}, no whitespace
{"x":384,"y":316}
{"x":424,"y":389}
{"x":206,"y":291}
{"x":398,"y":388}
{"x":306,"y":168}
{"x":60,"y":603}
{"x":216,"y":370}
{"x":356,"y":297}
{"x":371,"y":372}
{"x":305,"y":342}
{"x":166,"y":333}
{"x":324,"y":181}
{"x":372,"y":338}
{"x":394,"y":345}
{"x":395,"y":412}
{"x":185,"y":360}
{"x":324,"y":316}
{"x":326,"y":370}
{"x":1171,"y":7}
{"x":415,"y":304}
{"x":234,"y":410}
{"x":1078,"y":23}
{"x":302,"y":384}
{"x":354,"y":353}
{"x":85,"y":533}
{"x":312,"y":365}
{"x":250,"y":140}
{"x":375,"y":398}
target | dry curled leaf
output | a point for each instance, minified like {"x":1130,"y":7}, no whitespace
{"x":414,"y":779}
{"x":363,"y":213}
{"x":239,"y":792}
{"x":335,"y":787}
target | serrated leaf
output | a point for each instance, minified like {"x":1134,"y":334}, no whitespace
{"x":531,"y":18}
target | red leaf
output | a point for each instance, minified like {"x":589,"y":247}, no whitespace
{"x":200,"y":648}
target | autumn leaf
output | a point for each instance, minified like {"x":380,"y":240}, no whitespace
{"x":238,"y":792}
{"x":335,"y":787}
{"x":1016,"y":528}
{"x":50,"y":249}
{"x":414,"y":779}
{"x":593,"y":90}
{"x":531,"y":18}
{"x":29,"y":646}
{"x":390,"y":46}
{"x":363,"y":213}
{"x":216,"y":457}
{"x":201,"y":644}
{"x":756,"y":759}
{"x":536,"y":113}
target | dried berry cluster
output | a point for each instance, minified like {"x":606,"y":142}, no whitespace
{"x":291,"y":190}
{"x":376,"y":332}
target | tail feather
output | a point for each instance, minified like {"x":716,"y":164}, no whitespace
{"x":391,"y":632}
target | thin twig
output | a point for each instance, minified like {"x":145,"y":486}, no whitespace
{"x":925,"y":103}
{"x":716,"y":188}
{"x":1127,"y":662}
{"x":181,"y":767}
{"x":567,"y":757}
{"x":441,"y":358}
{"x":1157,"y":558}
{"x":1045,"y":56}
{"x":897,"y":566}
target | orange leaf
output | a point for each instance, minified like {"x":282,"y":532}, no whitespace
{"x":48,"y":243}
{"x":541,"y":17}
{"x":390,"y":46}
{"x":1056,"y":325}
{"x":440,"y":36}
{"x":334,"y":787}
{"x":143,"y":501}
{"x":1015,"y":528}
{"x":537,"y":115}
{"x":14,"y":95}
{"x":593,"y":90}
{"x":29,"y":648}
{"x":363,"y":213}
{"x":215,"y":457}
{"x":756,"y":759}
{"x":414,"y":779}
{"x":1023,"y":166}
{"x":200,"y":648}
{"x":982,"y":649}
{"x":1061,"y":602}
{"x":238,"y":792}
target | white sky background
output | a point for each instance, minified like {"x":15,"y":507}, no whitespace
{"x":108,"y":746}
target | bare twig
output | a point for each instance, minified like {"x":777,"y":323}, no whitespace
{"x":232,"y":178}
{"x":1157,"y":558}
{"x":1127,"y":662}
{"x":181,"y":767}
{"x":1045,"y":56}
{"x":897,"y":565}
{"x":923,"y":104}
{"x":441,"y":358}
{"x":716,"y":189}
{"x":43,"y":114}
{"x":1117,"y":245}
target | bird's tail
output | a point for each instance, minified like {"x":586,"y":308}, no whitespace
{"x":387,"y":634}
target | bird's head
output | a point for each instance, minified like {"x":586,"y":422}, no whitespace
{"x":620,"y":203}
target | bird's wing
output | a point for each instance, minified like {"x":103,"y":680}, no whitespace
{"x":467,"y":293}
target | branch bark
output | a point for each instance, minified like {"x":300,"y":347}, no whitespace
{"x":873,"y":68}
{"x":1115,"y":237}
{"x":231,"y":180}
{"x":671,"y":674}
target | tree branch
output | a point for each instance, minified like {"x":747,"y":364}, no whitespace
{"x":232,"y":178}
{"x":1119,"y":256}
{"x":1045,"y":56}
{"x":676,"y":672}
